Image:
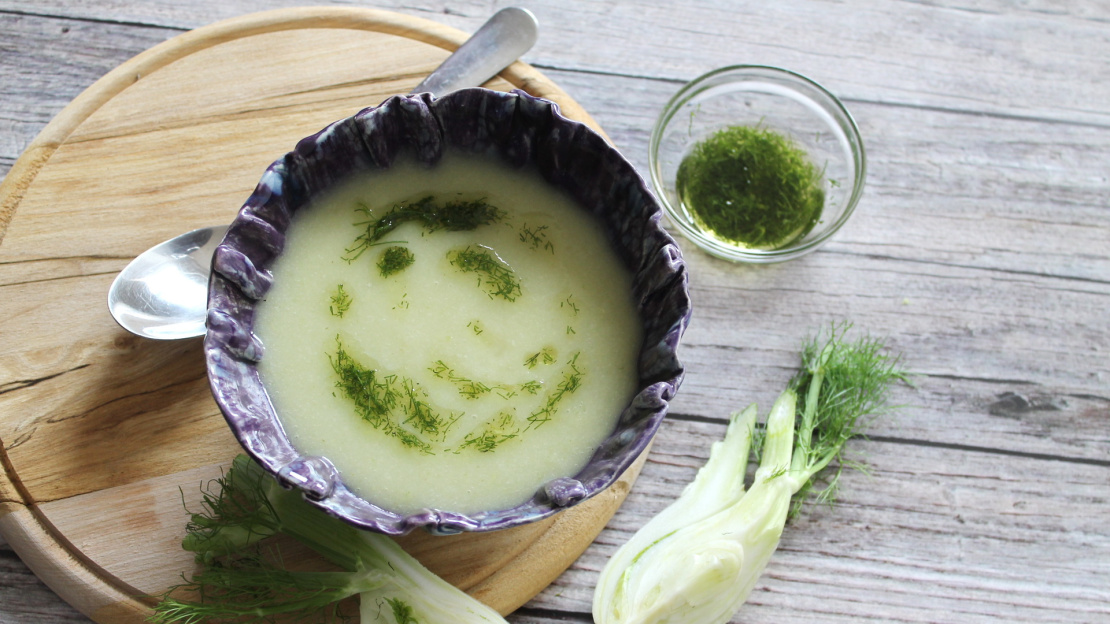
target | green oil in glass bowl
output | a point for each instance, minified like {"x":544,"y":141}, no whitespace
{"x":751,"y":187}
{"x":756,"y":164}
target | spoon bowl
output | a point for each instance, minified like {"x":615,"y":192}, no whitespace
{"x":162,"y":294}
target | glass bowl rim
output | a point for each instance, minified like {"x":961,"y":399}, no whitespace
{"x":711,"y":245}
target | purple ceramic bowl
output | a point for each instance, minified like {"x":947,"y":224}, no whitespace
{"x":523,"y":130}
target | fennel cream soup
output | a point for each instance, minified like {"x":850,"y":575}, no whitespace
{"x":449,"y":338}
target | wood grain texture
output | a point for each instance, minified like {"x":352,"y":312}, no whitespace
{"x":105,"y":435}
{"x":981,"y":250}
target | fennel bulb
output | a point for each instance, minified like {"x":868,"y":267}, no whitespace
{"x":698,"y":560}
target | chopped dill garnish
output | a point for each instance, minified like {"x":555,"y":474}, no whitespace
{"x":417,"y":411}
{"x":498,"y":277}
{"x":572,"y":379}
{"x":396,"y":406}
{"x":492,"y":435}
{"x":569,"y":304}
{"x":411,"y":440}
{"x":474,"y":389}
{"x":394,"y":260}
{"x":471,"y":389}
{"x":536,"y":238}
{"x":453,"y":216}
{"x":476,"y":327}
{"x":531,"y":387}
{"x":545,"y":355}
{"x":340,"y":302}
{"x":751,"y":186}
{"x":485,"y":441}
{"x":467,"y":388}
{"x":570,"y":330}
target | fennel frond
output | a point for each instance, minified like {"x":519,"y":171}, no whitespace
{"x":241,"y":581}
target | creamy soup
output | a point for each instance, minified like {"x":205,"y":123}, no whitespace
{"x":449,"y":337}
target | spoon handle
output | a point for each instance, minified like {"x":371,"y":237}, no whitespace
{"x":501,"y":40}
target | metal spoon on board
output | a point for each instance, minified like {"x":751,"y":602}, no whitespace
{"x":162,"y":294}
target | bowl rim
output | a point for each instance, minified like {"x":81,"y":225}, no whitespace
{"x":525,"y":128}
{"x":715,"y":247}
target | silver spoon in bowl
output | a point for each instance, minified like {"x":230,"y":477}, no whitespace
{"x":162,"y":294}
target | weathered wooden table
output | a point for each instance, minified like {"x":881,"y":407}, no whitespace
{"x":981,"y":251}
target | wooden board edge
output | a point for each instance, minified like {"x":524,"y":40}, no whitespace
{"x":84,"y":586}
{"x":42,"y":147}
{"x":565,"y":541}
{"x":65,"y":574}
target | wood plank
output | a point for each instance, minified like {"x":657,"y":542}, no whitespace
{"x":945,"y":54}
{"x":930,"y":533}
{"x":49,"y":61}
{"x":979,"y":249}
{"x":96,"y":511}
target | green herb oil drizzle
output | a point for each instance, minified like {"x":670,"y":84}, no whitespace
{"x":572,"y":379}
{"x":394,"y":260}
{"x":493,"y":434}
{"x":476,"y":389}
{"x":536,"y":237}
{"x":395,"y":405}
{"x":453,"y":216}
{"x":751,"y":187}
{"x":340,"y":302}
{"x":545,"y":355}
{"x":398,"y":406}
{"x":497,"y":276}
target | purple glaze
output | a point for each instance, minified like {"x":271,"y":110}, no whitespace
{"x":523,"y":130}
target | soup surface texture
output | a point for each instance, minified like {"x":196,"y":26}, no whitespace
{"x":449,"y":337}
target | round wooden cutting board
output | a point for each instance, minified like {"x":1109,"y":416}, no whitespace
{"x":103,"y":434}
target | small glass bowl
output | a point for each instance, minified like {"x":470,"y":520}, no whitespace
{"x":774,"y":99}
